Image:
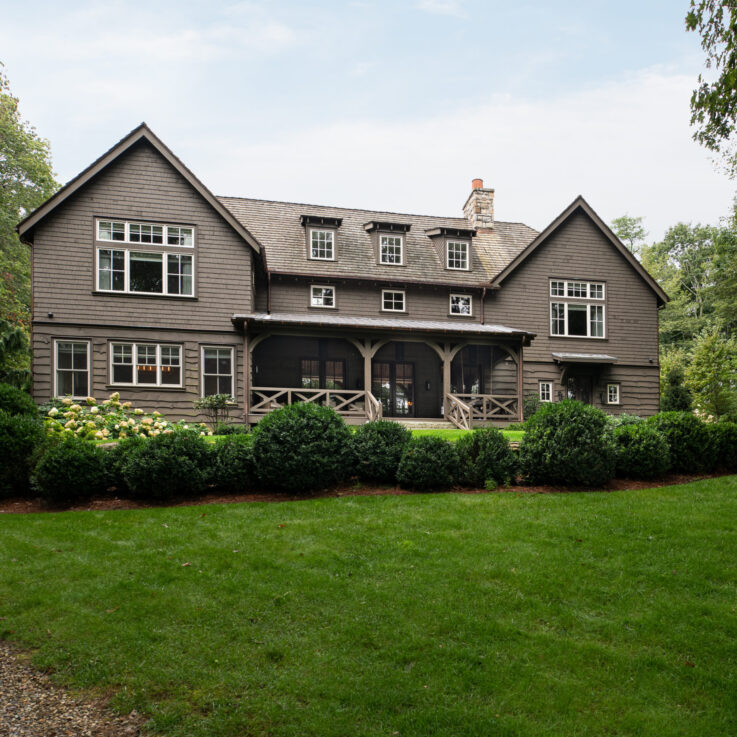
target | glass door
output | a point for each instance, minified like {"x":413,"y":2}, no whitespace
{"x":393,"y":384}
{"x":580,"y":388}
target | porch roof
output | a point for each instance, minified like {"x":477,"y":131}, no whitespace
{"x":584,"y":358}
{"x":379,"y":323}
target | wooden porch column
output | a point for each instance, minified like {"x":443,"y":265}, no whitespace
{"x":447,"y":358}
{"x":246,"y":376}
{"x":367,"y":355}
{"x":520,"y":385}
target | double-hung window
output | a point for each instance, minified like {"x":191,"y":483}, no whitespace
{"x":460,"y":304}
{"x":576,"y":310}
{"x":392,"y":301}
{"x":145,"y":364}
{"x":391,"y":250}
{"x":612,"y":393}
{"x":158,"y":270}
{"x":322,"y":245}
{"x":217,"y":371}
{"x":321,"y":296}
{"x":457,"y":255}
{"x":72,"y":368}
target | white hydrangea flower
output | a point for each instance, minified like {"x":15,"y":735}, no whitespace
{"x":53,"y":412}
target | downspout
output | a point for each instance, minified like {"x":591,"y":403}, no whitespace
{"x":483,"y":310}
{"x":268,"y":292}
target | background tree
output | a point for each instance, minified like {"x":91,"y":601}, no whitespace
{"x":714,"y":101}
{"x":710,"y":374}
{"x":14,"y":368}
{"x":631,"y":232}
{"x":675,"y":396}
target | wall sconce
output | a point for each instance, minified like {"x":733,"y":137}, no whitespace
{"x":427,"y":385}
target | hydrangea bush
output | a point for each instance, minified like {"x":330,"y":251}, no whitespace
{"x":109,"y":420}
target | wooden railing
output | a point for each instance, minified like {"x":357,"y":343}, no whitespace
{"x":458,"y":412}
{"x":345,"y":402}
{"x":491,"y":406}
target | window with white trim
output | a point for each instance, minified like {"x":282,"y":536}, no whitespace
{"x":457,"y":255}
{"x":321,"y":296}
{"x":149,"y":364}
{"x":322,"y":245}
{"x":155,"y":234}
{"x":145,"y":272}
{"x":576,"y":320}
{"x":217,"y":371}
{"x":546,"y":391}
{"x":612,"y":393}
{"x":392,"y":301}
{"x":391,"y":249}
{"x":576,"y":289}
{"x":71,"y":368}
{"x":460,"y":304}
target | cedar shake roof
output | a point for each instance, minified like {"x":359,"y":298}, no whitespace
{"x":277,"y":227}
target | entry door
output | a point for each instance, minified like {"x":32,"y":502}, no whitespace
{"x":393,"y":384}
{"x":580,"y":387}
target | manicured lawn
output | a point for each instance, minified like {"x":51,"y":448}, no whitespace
{"x":449,"y":614}
{"x":454,"y":434}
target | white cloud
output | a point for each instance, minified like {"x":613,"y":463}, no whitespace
{"x":625,"y":146}
{"x":442,"y":7}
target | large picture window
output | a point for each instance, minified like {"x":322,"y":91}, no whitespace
{"x":576,"y":320}
{"x":140,"y":364}
{"x":145,"y":272}
{"x":72,"y":368}
{"x":217,"y":371}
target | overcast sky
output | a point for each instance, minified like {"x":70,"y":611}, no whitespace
{"x":391,"y":105}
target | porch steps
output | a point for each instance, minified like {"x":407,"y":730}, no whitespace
{"x":420,"y":424}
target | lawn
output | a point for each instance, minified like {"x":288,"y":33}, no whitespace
{"x":455,"y":433}
{"x":448,"y":614}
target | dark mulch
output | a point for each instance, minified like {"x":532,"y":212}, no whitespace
{"x":26,"y":506}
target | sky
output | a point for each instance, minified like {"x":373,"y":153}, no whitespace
{"x":392,"y":105}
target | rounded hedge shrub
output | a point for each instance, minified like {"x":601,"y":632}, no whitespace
{"x":625,"y":419}
{"x":428,"y":462}
{"x":231,"y":428}
{"x":642,"y":451}
{"x":16,"y":402}
{"x":485,"y":456}
{"x":21,"y":436}
{"x":378,"y":448}
{"x":115,"y":458}
{"x":234,"y":467}
{"x":302,"y":447}
{"x":167,"y":465}
{"x":71,"y":470}
{"x":568,"y":442}
{"x":724,"y":438}
{"x":689,"y":440}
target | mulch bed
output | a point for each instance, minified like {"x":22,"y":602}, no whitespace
{"x":26,"y":506}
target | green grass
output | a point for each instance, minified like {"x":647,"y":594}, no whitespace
{"x":449,"y":614}
{"x":454,"y":434}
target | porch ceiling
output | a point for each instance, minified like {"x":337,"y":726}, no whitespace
{"x":378,"y":323}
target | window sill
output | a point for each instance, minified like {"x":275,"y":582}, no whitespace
{"x":575,"y":337}
{"x":185,"y":298}
{"x":460,"y":317}
{"x":143,"y":387}
{"x":393,"y":312}
{"x":317,"y":307}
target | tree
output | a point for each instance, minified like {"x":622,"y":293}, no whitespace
{"x":14,"y":355}
{"x":714,"y":102}
{"x":26,"y":180}
{"x":675,"y":397}
{"x":711,"y":374}
{"x":724,"y":289}
{"x":631,"y":232}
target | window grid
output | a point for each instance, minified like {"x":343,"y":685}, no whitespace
{"x":576,"y":289}
{"x":150,"y":364}
{"x":72,"y":368}
{"x":322,"y":245}
{"x":457,"y":255}
{"x":321,"y":296}
{"x":392,"y":301}
{"x":154,"y":234}
{"x":612,"y":393}
{"x":217,"y":371}
{"x":560,"y":322}
{"x":460,"y":304}
{"x":391,"y":250}
{"x":546,"y":391}
{"x":145,"y":272}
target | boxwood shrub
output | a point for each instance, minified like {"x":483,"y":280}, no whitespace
{"x":691,"y":447}
{"x":724,"y":438}
{"x":378,"y":448}
{"x":166,"y":466}
{"x":302,"y":447}
{"x":21,"y":436}
{"x":428,"y":462}
{"x":16,"y":402}
{"x":568,"y":442}
{"x":485,"y":456}
{"x":642,"y":451}
{"x":71,"y":470}
{"x":234,"y":467}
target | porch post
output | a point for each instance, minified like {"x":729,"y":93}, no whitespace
{"x":366,"y":351}
{"x":246,"y":376}
{"x":446,"y":376}
{"x":520,"y":385}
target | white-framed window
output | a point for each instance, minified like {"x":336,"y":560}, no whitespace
{"x":322,"y":296}
{"x":392,"y":300}
{"x":576,"y":320}
{"x":71,"y":368}
{"x":391,"y":249}
{"x":322,"y":244}
{"x":546,"y":391}
{"x":217,"y":370}
{"x":612,"y":393}
{"x":146,"y":364}
{"x":145,"y":272}
{"x":576,"y":289}
{"x":457,"y":255}
{"x":155,"y":234}
{"x":461,"y":304}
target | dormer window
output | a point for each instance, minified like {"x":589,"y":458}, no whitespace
{"x":457,"y":255}
{"x":391,"y":249}
{"x":322,"y":244}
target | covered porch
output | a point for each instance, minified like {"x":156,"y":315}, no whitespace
{"x":369,"y":368}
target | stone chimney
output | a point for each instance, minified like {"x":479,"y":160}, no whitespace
{"x":479,"y":207}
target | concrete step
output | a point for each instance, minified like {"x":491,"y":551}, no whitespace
{"x":420,"y":424}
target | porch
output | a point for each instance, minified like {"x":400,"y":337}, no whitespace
{"x":412,"y":375}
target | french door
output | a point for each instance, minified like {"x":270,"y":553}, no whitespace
{"x":580,"y":387}
{"x":393,"y":384}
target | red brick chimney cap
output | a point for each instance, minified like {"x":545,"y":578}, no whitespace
{"x":477,"y":184}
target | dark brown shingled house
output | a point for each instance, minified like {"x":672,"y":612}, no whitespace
{"x":146,"y":283}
